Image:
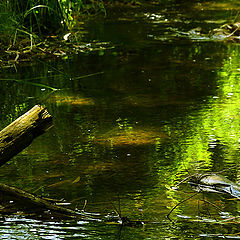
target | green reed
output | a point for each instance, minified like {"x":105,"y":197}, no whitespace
{"x":49,"y":16}
{"x":36,"y":19}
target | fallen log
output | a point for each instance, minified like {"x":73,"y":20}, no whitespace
{"x":13,"y":139}
{"x":22,"y":200}
{"x":20,"y":133}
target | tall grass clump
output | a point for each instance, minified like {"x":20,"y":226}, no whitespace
{"x":44,"y":17}
{"x":51,"y":16}
{"x":38,"y":16}
{"x":8,"y":23}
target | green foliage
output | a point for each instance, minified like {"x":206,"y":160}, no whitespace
{"x":20,"y":19}
{"x":79,"y":7}
{"x":39,"y":18}
{"x":50,"y":16}
{"x":42,"y":16}
{"x":7,"y":23}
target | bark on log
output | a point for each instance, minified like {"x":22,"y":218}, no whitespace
{"x":20,"y":133}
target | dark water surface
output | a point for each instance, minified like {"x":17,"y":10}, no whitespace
{"x":164,"y":103}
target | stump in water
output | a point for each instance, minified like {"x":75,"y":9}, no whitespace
{"x":20,"y":133}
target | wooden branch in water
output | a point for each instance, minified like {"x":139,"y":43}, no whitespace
{"x":36,"y":204}
{"x":20,"y":133}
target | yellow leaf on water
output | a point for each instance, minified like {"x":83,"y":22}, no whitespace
{"x":76,"y":180}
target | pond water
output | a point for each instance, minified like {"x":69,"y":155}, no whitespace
{"x":147,"y":105}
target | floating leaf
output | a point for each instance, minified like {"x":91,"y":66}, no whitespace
{"x":76,"y":180}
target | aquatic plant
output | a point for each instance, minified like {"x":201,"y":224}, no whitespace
{"x":7,"y":22}
{"x":41,"y":25}
{"x":43,"y":16}
{"x":49,"y":16}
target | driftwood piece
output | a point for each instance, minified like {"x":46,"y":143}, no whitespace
{"x":34,"y":204}
{"x":20,"y":133}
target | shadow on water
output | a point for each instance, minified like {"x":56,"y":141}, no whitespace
{"x":157,"y":107}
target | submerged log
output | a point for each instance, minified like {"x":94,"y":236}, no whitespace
{"x":20,"y":133}
{"x":30,"y":203}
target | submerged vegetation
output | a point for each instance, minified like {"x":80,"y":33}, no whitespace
{"x":121,"y":137}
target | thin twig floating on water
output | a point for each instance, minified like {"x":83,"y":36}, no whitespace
{"x":184,"y":200}
{"x":67,"y":75}
{"x":206,"y":201}
{"x":88,"y":75}
{"x":30,"y":83}
{"x":185,"y":179}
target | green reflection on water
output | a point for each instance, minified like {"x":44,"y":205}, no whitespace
{"x":213,"y":143}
